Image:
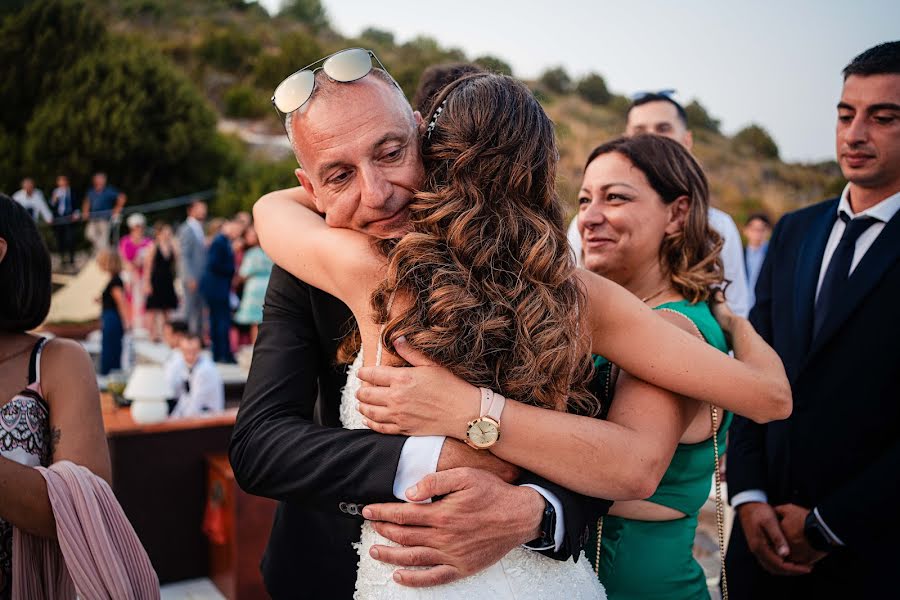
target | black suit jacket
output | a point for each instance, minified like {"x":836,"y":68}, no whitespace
{"x":840,"y":449}
{"x":288,"y":444}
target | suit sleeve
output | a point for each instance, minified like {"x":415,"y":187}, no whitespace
{"x":276,"y":449}
{"x":746,"y":439}
{"x":863,"y":512}
{"x":580,"y":514}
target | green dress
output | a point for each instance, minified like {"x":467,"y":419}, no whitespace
{"x":647,"y":560}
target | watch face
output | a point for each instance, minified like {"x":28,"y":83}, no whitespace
{"x":483,"y":432}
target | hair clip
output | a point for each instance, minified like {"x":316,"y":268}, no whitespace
{"x":437,"y":113}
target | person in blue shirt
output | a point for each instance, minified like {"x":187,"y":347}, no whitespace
{"x":216,"y":289}
{"x":101,"y":204}
{"x":757,"y":230}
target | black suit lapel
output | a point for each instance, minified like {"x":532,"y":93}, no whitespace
{"x":809,"y":262}
{"x":880,"y":256}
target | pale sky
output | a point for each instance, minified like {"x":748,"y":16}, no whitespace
{"x":776,"y":63}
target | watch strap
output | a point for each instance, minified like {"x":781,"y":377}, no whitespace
{"x":815,"y":534}
{"x":496,"y":407}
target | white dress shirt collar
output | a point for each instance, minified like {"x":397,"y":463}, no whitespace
{"x":884,"y":211}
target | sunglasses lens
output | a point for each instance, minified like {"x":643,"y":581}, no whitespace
{"x":294,"y":91}
{"x":349,"y":65}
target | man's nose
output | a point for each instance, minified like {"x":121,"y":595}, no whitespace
{"x":375,"y":188}
{"x":858,"y":130}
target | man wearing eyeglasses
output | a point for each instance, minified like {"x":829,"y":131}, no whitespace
{"x":660,"y":114}
{"x":357,"y":141}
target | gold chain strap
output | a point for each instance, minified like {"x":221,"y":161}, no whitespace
{"x":720,"y":509}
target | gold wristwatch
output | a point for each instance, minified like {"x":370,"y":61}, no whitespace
{"x":483,"y":432}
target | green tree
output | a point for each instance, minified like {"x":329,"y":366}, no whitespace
{"x":757,"y":140}
{"x":556,"y":80}
{"x":310,"y":12}
{"x":592,"y":87}
{"x":494,"y":64}
{"x":296,"y":50}
{"x":699,"y":118}
{"x":129,"y":112}
{"x":229,"y":50}
{"x":379,"y":37}
{"x":251,"y":180}
{"x":245,"y":102}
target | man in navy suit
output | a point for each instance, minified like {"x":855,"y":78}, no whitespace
{"x":216,"y":289}
{"x":816,"y":495}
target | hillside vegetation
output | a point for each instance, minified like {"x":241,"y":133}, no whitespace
{"x":199,"y":61}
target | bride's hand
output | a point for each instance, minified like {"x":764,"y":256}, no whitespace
{"x":423,"y":399}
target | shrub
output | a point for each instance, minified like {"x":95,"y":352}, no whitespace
{"x":556,"y":80}
{"x":593,"y":89}
{"x":245,"y":102}
{"x":757,"y":140}
{"x":699,"y":118}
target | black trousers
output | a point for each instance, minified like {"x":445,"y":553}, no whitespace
{"x":65,"y":242}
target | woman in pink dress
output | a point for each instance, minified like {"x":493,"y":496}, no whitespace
{"x":133,"y":249}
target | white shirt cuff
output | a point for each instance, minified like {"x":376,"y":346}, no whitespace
{"x":834,"y":538}
{"x":418,"y":458}
{"x":560,"y":529}
{"x":749,"y":496}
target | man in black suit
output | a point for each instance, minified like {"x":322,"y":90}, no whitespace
{"x":288,"y":444}
{"x":816,"y":494}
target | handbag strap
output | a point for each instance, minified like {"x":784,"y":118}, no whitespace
{"x":720,"y":507}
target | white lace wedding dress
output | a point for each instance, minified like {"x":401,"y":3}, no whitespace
{"x":520,"y":574}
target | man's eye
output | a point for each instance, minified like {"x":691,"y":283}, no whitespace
{"x":884,"y":120}
{"x":339,"y":177}
{"x":845,"y":118}
{"x":393,"y":154}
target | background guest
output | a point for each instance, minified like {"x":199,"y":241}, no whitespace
{"x":32,"y":200}
{"x":114,"y":317}
{"x":255,"y":270}
{"x":133,"y":250}
{"x":192,"y":262}
{"x":174,"y":368}
{"x":202,"y":390}
{"x":216,"y":287}
{"x":816,"y":495}
{"x":102,"y":203}
{"x":757,"y":230}
{"x":62,"y":202}
{"x":51,"y":409}
{"x":159,"y":278}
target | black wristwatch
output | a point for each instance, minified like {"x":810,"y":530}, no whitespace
{"x":816,"y":535}
{"x":548,"y":529}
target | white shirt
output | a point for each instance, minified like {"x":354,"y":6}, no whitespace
{"x":197,"y":227}
{"x":35,"y":204}
{"x":737,"y":294}
{"x":207,"y":392}
{"x":884,"y":211}
{"x":175,"y":371}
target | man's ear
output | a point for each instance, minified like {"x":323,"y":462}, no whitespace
{"x":689,"y":140}
{"x":420,"y":122}
{"x":3,"y":248}
{"x":678,"y":211}
{"x":307,"y":185}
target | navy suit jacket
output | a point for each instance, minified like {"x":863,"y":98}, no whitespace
{"x":840,"y":449}
{"x":216,"y":282}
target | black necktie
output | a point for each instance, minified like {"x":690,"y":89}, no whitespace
{"x":838,"y":271}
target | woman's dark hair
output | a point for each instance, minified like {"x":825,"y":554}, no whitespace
{"x":690,"y":257}
{"x":434,"y":79}
{"x":25,"y":287}
{"x":487,"y":263}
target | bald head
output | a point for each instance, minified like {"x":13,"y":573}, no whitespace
{"x":358,"y":147}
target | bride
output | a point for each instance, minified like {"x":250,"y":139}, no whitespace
{"x":484,"y":284}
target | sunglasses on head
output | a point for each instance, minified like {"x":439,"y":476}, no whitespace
{"x":641,"y":95}
{"x":344,"y":66}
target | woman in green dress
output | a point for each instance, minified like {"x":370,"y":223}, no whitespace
{"x":642,"y":219}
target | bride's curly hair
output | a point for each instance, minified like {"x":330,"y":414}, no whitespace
{"x":487,"y":263}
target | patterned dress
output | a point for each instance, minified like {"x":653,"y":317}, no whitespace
{"x":25,"y":439}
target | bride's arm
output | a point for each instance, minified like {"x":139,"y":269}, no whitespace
{"x":628,"y":333}
{"x":338,"y":261}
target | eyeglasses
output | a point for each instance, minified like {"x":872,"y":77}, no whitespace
{"x":641,"y":95}
{"x":345,"y":66}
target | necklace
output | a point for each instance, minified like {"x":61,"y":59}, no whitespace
{"x":657,"y":294}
